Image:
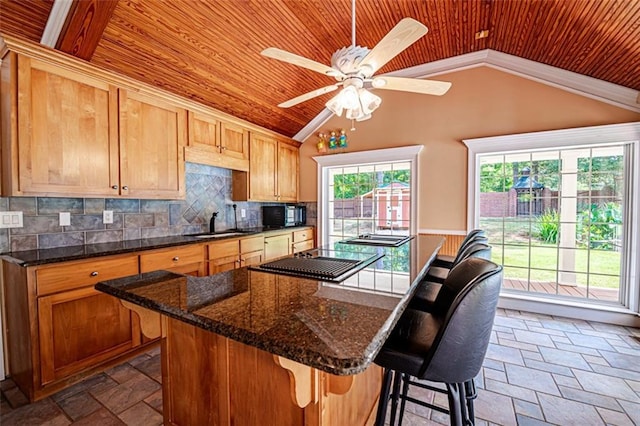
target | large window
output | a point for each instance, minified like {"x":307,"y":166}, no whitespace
{"x":560,"y":209}
{"x":555,"y":219}
{"x":367,"y":192}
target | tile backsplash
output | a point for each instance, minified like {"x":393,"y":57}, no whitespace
{"x":208,"y":189}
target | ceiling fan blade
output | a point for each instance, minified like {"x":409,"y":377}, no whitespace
{"x":416,"y":85}
{"x":292,"y":58}
{"x":404,"y":34}
{"x":307,"y":96}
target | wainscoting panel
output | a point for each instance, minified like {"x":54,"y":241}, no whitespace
{"x":451,"y":243}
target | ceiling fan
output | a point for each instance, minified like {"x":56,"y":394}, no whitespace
{"x":354,"y":67}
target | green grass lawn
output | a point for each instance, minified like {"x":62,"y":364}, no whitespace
{"x":600,"y":268}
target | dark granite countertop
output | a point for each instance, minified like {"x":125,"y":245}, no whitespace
{"x":63,"y":254}
{"x":334,"y":327}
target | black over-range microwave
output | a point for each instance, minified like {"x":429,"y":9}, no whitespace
{"x":284,"y":215}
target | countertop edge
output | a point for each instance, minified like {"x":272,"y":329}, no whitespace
{"x":178,"y":240}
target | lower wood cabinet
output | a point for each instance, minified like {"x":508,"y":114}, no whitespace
{"x":277,"y":245}
{"x":231,"y":254}
{"x":80,"y":328}
{"x":59,"y":328}
{"x":303,"y":240}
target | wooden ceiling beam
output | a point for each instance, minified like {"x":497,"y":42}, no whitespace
{"x":84,"y":27}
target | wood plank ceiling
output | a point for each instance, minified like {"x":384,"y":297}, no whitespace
{"x":209,"y":51}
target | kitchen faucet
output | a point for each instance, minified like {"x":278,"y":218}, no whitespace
{"x":212,"y":223}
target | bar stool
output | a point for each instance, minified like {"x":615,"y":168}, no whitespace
{"x":442,"y":347}
{"x":429,"y":288}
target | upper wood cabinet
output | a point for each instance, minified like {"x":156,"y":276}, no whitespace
{"x":217,"y":143}
{"x":273,"y":171}
{"x":66,"y":139}
{"x":68,"y":131}
{"x":152,"y":138}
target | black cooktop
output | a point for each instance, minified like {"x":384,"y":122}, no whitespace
{"x":323,"y":264}
{"x":378,"y":240}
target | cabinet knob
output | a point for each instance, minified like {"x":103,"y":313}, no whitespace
{"x":94,"y":274}
{"x":114,"y":186}
{"x":125,"y":187}
{"x":175,"y":259}
{"x":224,"y":148}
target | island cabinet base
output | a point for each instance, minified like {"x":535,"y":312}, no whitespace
{"x":210,"y":379}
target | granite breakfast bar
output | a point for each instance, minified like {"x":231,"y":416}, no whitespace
{"x":252,"y":347}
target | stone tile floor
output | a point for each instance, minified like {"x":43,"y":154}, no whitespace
{"x":538,"y":370}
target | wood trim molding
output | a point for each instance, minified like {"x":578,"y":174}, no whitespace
{"x":600,"y":90}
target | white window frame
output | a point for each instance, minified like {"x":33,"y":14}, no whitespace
{"x":627,"y":133}
{"x":378,"y":156}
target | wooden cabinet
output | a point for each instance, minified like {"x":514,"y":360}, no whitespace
{"x":303,"y":239}
{"x":231,"y":254}
{"x":152,"y":137}
{"x":70,"y":130}
{"x":72,"y":317}
{"x":252,"y":250}
{"x":80,"y":328}
{"x":273,"y":171}
{"x":217,"y":143}
{"x":223,"y":256}
{"x":185,"y":260}
{"x":287,"y":172}
{"x":277,"y":245}
{"x":65,"y":142}
{"x":59,"y":328}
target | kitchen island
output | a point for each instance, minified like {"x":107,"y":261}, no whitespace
{"x":252,"y":347}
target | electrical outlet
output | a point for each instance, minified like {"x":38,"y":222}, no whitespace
{"x":107,"y":216}
{"x":65,"y":218}
{"x":11,"y":220}
{"x":243,"y":213}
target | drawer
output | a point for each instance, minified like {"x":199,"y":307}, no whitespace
{"x":171,"y":258}
{"x":302,"y":246}
{"x":252,"y":244}
{"x":302,"y":235}
{"x":223,"y":249}
{"x":71,"y":275}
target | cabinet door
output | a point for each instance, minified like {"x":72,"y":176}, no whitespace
{"x":204,"y":132}
{"x":223,"y":264}
{"x":234,"y":141}
{"x":287,"y":172}
{"x":223,"y":256}
{"x":152,"y":139}
{"x":252,"y":258}
{"x":262,"y":168}
{"x":277,"y":246}
{"x":67,"y":133}
{"x":81,"y":328}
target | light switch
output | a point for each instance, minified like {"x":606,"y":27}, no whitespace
{"x":243,"y":213}
{"x":65,"y":218}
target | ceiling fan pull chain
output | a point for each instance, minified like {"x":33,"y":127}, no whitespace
{"x":353,"y":22}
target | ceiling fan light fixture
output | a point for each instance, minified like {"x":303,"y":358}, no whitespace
{"x":334,"y":105}
{"x":368,"y":101}
{"x":358,"y":103}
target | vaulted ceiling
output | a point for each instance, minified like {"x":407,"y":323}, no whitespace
{"x":209,"y":51}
